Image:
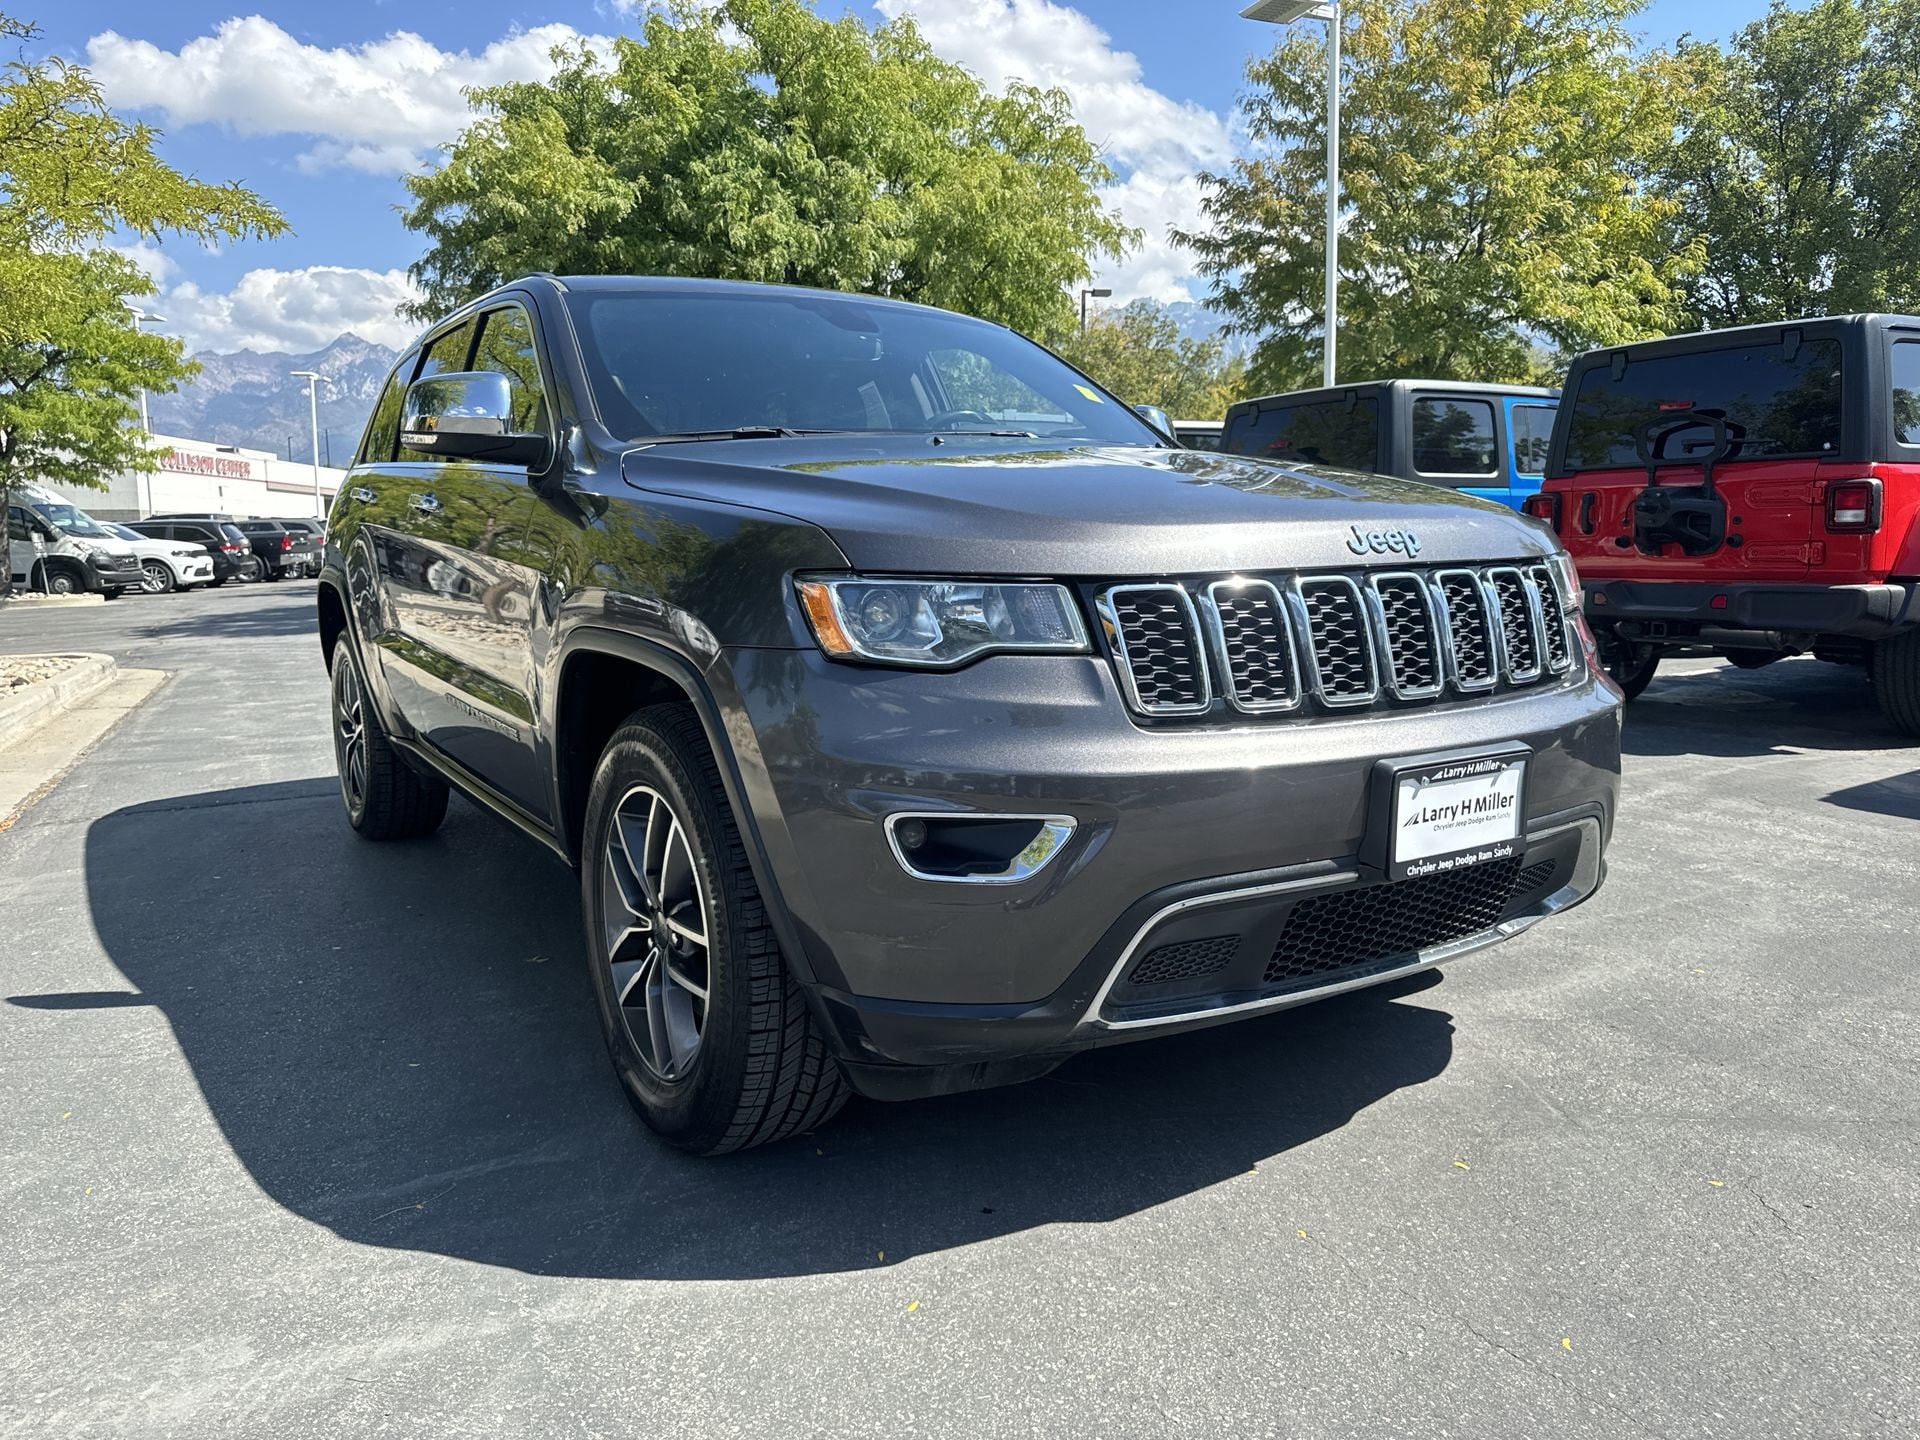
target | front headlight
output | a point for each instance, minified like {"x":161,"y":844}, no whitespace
{"x":938,"y":622}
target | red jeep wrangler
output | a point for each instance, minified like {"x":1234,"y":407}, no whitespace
{"x":1753,"y":491}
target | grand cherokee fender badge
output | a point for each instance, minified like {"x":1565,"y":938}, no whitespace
{"x":1382,"y":542}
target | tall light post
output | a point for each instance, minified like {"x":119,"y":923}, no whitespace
{"x":1285,"y":12}
{"x":144,"y":317}
{"x":314,"y":380}
{"x":1097,"y":295}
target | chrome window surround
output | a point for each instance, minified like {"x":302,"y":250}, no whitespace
{"x":1383,"y":646}
{"x":1296,"y":593}
{"x":1283,"y":613}
{"x":1117,"y":639}
{"x":1040,"y":852}
{"x":1586,"y":878}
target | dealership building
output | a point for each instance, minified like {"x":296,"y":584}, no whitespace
{"x":196,"y":477}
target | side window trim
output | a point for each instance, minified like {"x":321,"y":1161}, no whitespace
{"x":1458,"y":477}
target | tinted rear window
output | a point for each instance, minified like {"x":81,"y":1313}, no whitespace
{"x":1532,"y":433}
{"x":1906,"y":391}
{"x":1774,"y":405}
{"x":1453,"y":438}
{"x":1342,"y":433}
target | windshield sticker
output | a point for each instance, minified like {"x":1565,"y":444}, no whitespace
{"x":1090,"y":393}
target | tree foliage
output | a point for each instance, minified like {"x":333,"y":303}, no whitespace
{"x":1800,"y":163}
{"x":1139,"y":354}
{"x":1493,"y":160}
{"x":754,"y":140}
{"x":72,"y":176}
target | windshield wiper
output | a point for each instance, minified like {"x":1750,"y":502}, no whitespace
{"x":739,"y":432}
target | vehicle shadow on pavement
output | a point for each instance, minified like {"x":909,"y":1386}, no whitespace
{"x":1803,"y":703}
{"x":408,"y":1056}
{"x":232,"y":619}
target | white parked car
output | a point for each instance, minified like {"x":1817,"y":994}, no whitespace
{"x":165,"y":564}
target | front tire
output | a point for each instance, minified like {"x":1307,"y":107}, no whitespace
{"x":709,"y":1033}
{"x":62,"y":582}
{"x":385,"y":798}
{"x":158,"y":579}
{"x":1896,"y":680}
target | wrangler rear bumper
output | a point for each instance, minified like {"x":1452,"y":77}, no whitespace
{"x":1667,"y":609}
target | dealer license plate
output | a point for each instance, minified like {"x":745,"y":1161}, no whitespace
{"x":1456,"y":813}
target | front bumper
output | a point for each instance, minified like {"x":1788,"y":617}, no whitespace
{"x":1678,"y":611}
{"x":122,"y":577}
{"x":912,"y":972}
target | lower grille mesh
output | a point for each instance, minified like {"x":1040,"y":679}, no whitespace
{"x":1354,"y":930}
{"x":1185,"y":960}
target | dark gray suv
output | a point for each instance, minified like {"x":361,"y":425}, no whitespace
{"x":915,"y":714}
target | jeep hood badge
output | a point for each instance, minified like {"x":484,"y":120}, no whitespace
{"x":1383,"y":542}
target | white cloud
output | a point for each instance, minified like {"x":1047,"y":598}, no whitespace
{"x":290,"y":310}
{"x":379,"y":107}
{"x":1158,"y":143}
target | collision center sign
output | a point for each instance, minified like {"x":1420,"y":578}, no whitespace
{"x":193,"y":462}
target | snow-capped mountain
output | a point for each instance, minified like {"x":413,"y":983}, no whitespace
{"x":252,"y":399}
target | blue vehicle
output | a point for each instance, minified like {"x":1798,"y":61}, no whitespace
{"x":1486,"y":440}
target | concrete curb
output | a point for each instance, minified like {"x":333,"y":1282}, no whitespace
{"x":36,"y":705}
{"x":32,"y":600}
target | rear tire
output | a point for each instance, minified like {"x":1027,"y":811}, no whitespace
{"x":385,"y":798}
{"x":1751,"y":659}
{"x":1895,"y":669}
{"x":1631,"y":666}
{"x":744,"y":1063}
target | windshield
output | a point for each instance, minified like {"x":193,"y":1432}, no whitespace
{"x":121,"y":532}
{"x":680,"y":363}
{"x":1777,"y":401}
{"x":71,"y":519}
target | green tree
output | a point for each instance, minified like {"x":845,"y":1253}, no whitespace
{"x":754,"y":140}
{"x":1138,"y":353}
{"x":1494,"y":154}
{"x":72,"y":176}
{"x":1800,"y":163}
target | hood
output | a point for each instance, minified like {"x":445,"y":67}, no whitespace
{"x":981,"y":506}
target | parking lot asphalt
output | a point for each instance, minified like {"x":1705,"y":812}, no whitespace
{"x":310,"y":1137}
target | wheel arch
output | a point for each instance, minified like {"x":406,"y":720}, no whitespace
{"x":602,"y":677}
{"x":333,"y":617}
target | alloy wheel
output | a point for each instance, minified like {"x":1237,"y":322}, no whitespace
{"x":153,"y":578}
{"x":350,"y":734}
{"x":654,"y":915}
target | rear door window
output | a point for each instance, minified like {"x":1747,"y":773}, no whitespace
{"x":1341,"y":433}
{"x":1906,"y":391}
{"x":1532,"y":430}
{"x":1779,"y":400}
{"x":1453,"y":439}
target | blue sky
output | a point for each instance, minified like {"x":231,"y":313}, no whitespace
{"x":321,"y":107}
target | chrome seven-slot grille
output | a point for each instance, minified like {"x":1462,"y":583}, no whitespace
{"x":1271,"y":646}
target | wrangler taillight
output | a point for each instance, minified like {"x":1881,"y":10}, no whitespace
{"x":1543,"y":506}
{"x":1853,"y":504}
{"x":286,"y":542}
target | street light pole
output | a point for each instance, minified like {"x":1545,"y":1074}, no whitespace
{"x":141,"y":317}
{"x":1285,"y":12}
{"x":1097,"y":295}
{"x":314,"y":379}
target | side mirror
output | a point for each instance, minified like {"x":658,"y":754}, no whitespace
{"x":1157,"y":418}
{"x":468,"y":415}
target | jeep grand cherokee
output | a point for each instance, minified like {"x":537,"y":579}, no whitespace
{"x":914,"y":713}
